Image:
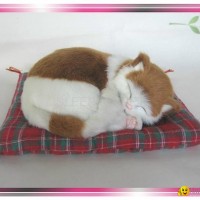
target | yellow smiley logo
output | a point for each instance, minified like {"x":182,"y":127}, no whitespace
{"x":184,"y":191}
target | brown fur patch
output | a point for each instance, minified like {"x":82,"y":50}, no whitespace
{"x":156,"y":85}
{"x":66,"y":126}
{"x":81,"y":64}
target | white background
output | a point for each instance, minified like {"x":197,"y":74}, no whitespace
{"x":26,"y":37}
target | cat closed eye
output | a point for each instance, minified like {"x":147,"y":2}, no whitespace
{"x":142,"y":108}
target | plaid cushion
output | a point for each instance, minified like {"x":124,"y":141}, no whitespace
{"x":18,"y":137}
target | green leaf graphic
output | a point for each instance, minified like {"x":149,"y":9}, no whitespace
{"x":195,"y":29}
{"x":194,"y":19}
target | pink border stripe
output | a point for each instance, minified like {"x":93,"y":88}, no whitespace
{"x":99,"y":8}
{"x":101,"y":5}
{"x":94,"y":191}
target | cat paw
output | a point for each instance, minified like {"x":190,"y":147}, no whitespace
{"x":130,"y":122}
{"x":139,"y":124}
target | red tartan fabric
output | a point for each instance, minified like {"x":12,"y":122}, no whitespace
{"x":18,"y":137}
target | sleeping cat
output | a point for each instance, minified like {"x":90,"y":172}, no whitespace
{"x":81,"y":92}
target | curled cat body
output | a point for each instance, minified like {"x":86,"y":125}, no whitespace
{"x":80,"y":92}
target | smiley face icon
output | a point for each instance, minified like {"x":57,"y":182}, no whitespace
{"x":184,"y":191}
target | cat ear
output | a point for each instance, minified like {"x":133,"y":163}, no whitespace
{"x":172,"y":104}
{"x":175,"y":104}
{"x":142,"y":58}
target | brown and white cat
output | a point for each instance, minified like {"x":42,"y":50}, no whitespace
{"x":81,"y":92}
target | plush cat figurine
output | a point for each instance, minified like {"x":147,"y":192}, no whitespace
{"x":81,"y":92}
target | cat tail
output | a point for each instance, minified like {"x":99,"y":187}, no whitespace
{"x":67,"y":126}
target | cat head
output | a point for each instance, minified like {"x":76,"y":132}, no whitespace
{"x":145,"y":90}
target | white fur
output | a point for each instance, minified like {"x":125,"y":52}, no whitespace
{"x":121,"y":80}
{"x":113,"y":63}
{"x":166,"y":108}
{"x":141,"y":106}
{"x":138,"y":102}
{"x":149,"y":119}
{"x":62,"y":96}
{"x":138,"y":97}
{"x":36,"y":116}
{"x":43,"y":96}
{"x":112,"y":114}
{"x":109,"y":116}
